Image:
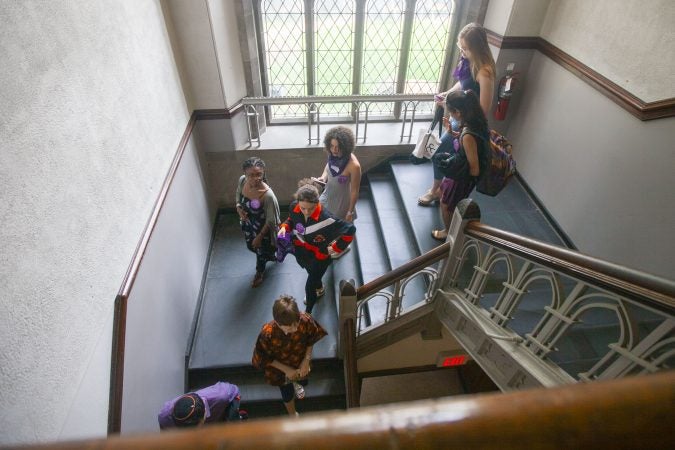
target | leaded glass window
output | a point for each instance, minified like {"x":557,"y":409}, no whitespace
{"x":343,"y":47}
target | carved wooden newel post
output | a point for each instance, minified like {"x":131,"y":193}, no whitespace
{"x":467,"y":210}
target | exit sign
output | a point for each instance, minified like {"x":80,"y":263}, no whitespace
{"x":451,"y":359}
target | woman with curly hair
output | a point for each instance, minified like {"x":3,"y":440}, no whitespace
{"x":258,"y":211}
{"x":342,"y":174}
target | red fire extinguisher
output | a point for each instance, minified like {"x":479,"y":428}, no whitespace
{"x":504,"y":92}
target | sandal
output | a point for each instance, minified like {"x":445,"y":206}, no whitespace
{"x":257,"y":280}
{"x":299,"y":391}
{"x":427,"y":199}
{"x":320,"y":292}
{"x":440,"y":235}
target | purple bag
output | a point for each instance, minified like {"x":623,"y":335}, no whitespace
{"x":284,"y":247}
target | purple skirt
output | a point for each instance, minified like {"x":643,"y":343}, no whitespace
{"x":453,"y":191}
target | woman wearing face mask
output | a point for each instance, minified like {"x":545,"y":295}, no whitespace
{"x":342,"y":174}
{"x":476,"y":72}
{"x":317,"y":235}
{"x":258,"y":211}
{"x":465,"y":109}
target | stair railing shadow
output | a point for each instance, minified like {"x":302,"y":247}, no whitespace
{"x":530,"y":313}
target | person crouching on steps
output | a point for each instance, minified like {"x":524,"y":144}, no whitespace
{"x":284,"y":350}
{"x":317,"y":236}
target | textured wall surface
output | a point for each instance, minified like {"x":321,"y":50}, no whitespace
{"x":162,"y":303}
{"x":193,"y":40}
{"x":91,"y":112}
{"x":226,"y":37}
{"x":526,"y":17}
{"x":629,"y":41}
{"x":604,"y":175}
{"x":497,"y":16}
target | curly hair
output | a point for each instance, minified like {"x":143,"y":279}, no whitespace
{"x":345,"y":138}
{"x":285,"y":310}
{"x":307,"y":191}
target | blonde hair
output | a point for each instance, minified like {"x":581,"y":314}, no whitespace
{"x":475,"y":38}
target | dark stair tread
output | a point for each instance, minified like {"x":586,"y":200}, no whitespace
{"x":371,"y":256}
{"x":325,"y":380}
{"x":398,"y":243}
{"x":232,"y":313}
{"x":511,"y":210}
{"x":413,"y":181}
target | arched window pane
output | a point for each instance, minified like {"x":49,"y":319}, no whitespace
{"x":283,"y":26}
{"x":381,"y":50}
{"x":431,"y":28}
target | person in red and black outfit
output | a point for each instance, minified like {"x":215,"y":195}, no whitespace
{"x":317,"y":236}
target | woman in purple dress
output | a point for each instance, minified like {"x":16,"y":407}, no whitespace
{"x":476,"y":72}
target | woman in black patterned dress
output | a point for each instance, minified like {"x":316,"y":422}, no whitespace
{"x":258,"y":211}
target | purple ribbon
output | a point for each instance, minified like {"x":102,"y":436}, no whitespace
{"x":463,"y":69}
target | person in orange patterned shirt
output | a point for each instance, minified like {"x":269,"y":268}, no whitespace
{"x":284,"y":349}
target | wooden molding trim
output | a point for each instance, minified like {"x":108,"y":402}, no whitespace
{"x":120,"y":314}
{"x":402,"y":370}
{"x":224,"y":113}
{"x":640,"y":109}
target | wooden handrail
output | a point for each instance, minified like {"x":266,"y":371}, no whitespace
{"x":633,"y":412}
{"x":648,"y":289}
{"x":351,"y":370}
{"x":120,"y":310}
{"x":405,"y":270}
{"x":642,"y":110}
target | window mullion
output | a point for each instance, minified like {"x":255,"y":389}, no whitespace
{"x":408,"y":20}
{"x":359,"y":29}
{"x":310,"y":47}
{"x":451,"y":51}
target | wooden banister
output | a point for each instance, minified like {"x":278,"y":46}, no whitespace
{"x":120,"y":310}
{"x":351,"y":371}
{"x":648,"y":289}
{"x":629,"y":413}
{"x":405,"y":270}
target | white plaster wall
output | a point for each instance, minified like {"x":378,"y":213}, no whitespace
{"x":630,"y":42}
{"x":162,"y":303}
{"x":604,"y":175}
{"x":412,"y":351}
{"x":193,"y":38}
{"x":91,"y":112}
{"x":497,"y":15}
{"x":226,"y":37}
{"x":527,"y":17}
